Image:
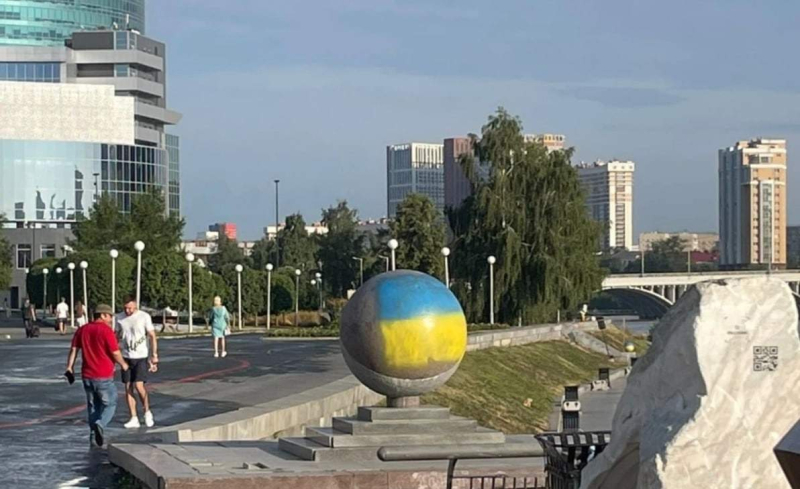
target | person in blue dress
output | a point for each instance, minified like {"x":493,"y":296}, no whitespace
{"x":219,"y":318}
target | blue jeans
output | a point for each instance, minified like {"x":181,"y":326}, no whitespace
{"x":101,"y":398}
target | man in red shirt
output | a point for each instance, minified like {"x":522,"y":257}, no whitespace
{"x":99,"y":351}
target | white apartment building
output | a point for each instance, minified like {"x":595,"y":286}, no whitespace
{"x":414,"y":168}
{"x":609,"y":199}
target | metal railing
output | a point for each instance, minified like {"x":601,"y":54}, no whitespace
{"x":473,"y":452}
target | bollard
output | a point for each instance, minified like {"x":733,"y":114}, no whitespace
{"x":571,"y":409}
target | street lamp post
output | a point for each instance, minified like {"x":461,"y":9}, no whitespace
{"x":44,"y":301}
{"x":393,"y":244}
{"x":114,"y":254}
{"x":491,"y":261}
{"x":139,"y":247}
{"x":319,"y":284}
{"x":446,"y":254}
{"x":239,"y":269}
{"x":71,"y":267}
{"x":360,"y":270}
{"x":189,"y":260}
{"x":277,"y":227}
{"x":269,"y":293}
{"x":297,"y":273}
{"x":689,"y":261}
{"x":642,"y":251}
{"x":386,"y":259}
{"x":84,"y":266}
{"x":58,"y":283}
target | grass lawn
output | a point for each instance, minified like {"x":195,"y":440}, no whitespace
{"x":492,"y":385}
{"x":616,"y":338}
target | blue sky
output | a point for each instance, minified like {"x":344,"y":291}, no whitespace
{"x":311,"y":92}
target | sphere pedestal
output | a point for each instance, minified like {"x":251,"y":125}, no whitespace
{"x":402,"y":402}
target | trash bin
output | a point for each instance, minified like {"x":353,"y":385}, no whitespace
{"x":568,"y":453}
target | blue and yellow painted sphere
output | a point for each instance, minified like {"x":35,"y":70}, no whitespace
{"x":403,"y":333}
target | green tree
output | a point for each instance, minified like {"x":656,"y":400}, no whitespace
{"x":6,"y":264}
{"x":253,"y":294}
{"x":228,"y":253}
{"x":529,"y":213}
{"x":419,"y":229}
{"x":297,"y":248}
{"x":282,"y":296}
{"x":338,"y":247}
{"x":664,"y":256}
{"x":263,"y":252}
{"x":106,"y":229}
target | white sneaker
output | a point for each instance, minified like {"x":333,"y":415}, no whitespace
{"x":132,"y":424}
{"x":216,"y":354}
{"x":148,"y":419}
{"x":224,"y":354}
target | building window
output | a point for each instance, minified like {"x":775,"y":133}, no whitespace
{"x":121,"y":71}
{"x":48,"y":251}
{"x":23,"y":256}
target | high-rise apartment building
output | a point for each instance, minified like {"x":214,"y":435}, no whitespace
{"x":51,"y":22}
{"x":609,"y":199}
{"x":752,"y":204}
{"x":414,"y":168}
{"x":456,"y":185}
{"x":82,"y":114}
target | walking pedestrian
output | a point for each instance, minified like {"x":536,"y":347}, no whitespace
{"x":134,"y":328}
{"x":99,"y":351}
{"x":29,"y":320}
{"x":62,"y":314}
{"x":220,"y":318}
{"x":80,"y":314}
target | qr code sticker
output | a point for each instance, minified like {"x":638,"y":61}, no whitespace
{"x":765,"y":358}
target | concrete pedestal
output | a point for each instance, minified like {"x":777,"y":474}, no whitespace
{"x":360,"y":437}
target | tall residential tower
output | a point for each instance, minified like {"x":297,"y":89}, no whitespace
{"x":609,"y":199}
{"x":752,"y":204}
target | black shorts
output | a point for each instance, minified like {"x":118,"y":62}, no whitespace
{"x":137,"y":370}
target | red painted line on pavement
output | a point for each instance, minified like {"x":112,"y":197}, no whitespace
{"x":242,"y":364}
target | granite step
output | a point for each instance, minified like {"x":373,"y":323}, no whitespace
{"x":455,"y":424}
{"x":330,"y":437}
{"x":369,"y":413}
{"x":306,"y":449}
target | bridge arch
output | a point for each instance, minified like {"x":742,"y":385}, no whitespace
{"x":647,"y":304}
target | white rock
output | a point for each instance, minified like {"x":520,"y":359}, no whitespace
{"x":695,"y":412}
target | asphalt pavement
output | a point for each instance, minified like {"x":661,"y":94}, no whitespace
{"x":44,"y":437}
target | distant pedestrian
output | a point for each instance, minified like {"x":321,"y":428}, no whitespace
{"x":134,"y":328}
{"x":220,"y":318}
{"x":80,"y":314}
{"x":6,"y":308}
{"x":62,"y":314}
{"x":29,"y":320}
{"x":99,"y":352}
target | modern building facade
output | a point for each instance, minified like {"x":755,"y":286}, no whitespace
{"x":51,"y":22}
{"x":456,"y":184}
{"x":82,"y":114}
{"x":414,"y":168}
{"x":691,"y":241}
{"x":224,"y":228}
{"x":609,"y":200}
{"x":752,"y":204}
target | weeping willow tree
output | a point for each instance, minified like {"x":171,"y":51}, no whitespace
{"x":527,"y":209}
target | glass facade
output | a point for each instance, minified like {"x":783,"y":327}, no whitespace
{"x":31,"y":72}
{"x":52,"y":181}
{"x":50,"y":22}
{"x":174,"y":155}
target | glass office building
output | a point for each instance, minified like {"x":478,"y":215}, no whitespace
{"x":51,"y":22}
{"x":57,"y":181}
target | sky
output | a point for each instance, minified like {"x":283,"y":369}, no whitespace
{"x":311,"y":92}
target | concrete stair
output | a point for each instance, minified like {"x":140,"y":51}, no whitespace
{"x":359,"y":438}
{"x":355,"y":426}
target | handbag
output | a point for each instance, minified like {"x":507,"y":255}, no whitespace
{"x":227,"y":330}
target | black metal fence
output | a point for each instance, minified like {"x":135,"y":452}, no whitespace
{"x":568,"y":453}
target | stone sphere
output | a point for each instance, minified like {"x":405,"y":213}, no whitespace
{"x":403,"y":333}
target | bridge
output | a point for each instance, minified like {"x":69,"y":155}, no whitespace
{"x":651,"y":295}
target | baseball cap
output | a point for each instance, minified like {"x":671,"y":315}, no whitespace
{"x":103,"y":309}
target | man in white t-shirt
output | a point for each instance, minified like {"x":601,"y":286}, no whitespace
{"x":62,"y":313}
{"x":134,"y":328}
